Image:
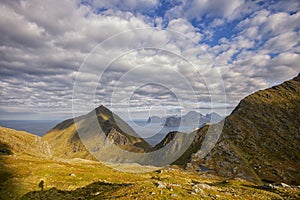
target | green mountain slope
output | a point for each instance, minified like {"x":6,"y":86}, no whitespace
{"x":260,"y":140}
{"x":67,"y":143}
{"x":20,"y":142}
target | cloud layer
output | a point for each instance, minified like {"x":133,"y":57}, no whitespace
{"x":182,"y":55}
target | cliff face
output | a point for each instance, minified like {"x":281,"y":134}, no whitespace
{"x":66,"y":141}
{"x":260,"y":140}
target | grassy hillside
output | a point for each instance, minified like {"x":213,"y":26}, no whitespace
{"x":12,"y":142}
{"x":260,"y":140}
{"x":66,"y":141}
{"x":83,"y":179}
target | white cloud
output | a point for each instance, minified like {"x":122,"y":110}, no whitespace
{"x":196,"y":9}
{"x":283,"y":42}
{"x":18,"y":31}
{"x":185,"y":27}
{"x":279,"y":23}
{"x":125,"y":5}
{"x":44,"y":43}
{"x":213,"y":8}
{"x":217,"y":22}
{"x":263,"y":24}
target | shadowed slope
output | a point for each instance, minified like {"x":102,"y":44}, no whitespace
{"x":96,"y":190}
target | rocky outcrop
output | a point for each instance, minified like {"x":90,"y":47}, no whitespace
{"x":169,"y":137}
{"x":117,"y":138}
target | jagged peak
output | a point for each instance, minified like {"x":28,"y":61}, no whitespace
{"x":101,"y":108}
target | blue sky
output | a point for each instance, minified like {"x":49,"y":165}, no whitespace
{"x":153,"y":57}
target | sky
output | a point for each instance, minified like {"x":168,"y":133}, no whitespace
{"x":142,"y":57}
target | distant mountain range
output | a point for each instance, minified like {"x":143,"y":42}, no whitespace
{"x":191,"y":118}
{"x":260,"y":139}
{"x":156,"y":119}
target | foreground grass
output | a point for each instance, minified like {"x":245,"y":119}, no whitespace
{"x":20,"y":176}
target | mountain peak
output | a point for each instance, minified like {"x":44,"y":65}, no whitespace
{"x":67,"y":143}
{"x":101,"y":108}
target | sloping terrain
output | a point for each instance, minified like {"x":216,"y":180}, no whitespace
{"x":84,"y":179}
{"x":66,"y":141}
{"x":20,"y":142}
{"x":260,"y":140}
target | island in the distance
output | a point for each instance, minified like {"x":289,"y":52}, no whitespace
{"x":191,"y":118}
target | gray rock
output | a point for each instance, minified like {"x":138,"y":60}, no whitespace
{"x":202,"y":186}
{"x":161,"y":185}
{"x":284,"y":185}
{"x":197,"y":190}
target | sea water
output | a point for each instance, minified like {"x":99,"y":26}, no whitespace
{"x":153,"y":133}
{"x":37,"y":127}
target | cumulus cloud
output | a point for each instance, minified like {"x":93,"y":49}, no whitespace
{"x":126,"y":5}
{"x":179,"y":54}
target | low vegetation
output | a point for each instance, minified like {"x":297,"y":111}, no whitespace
{"x":83,"y":179}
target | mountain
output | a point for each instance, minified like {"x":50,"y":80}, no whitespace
{"x":98,"y":125}
{"x":155,"y":119}
{"x":260,"y":140}
{"x":102,"y":135}
{"x":172,"y":121}
{"x":192,"y":118}
{"x":214,"y":117}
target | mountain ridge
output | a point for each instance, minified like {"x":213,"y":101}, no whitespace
{"x":260,"y":140}
{"x":21,"y":142}
{"x":67,"y":143}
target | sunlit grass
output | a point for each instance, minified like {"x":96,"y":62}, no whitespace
{"x":69,"y":175}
